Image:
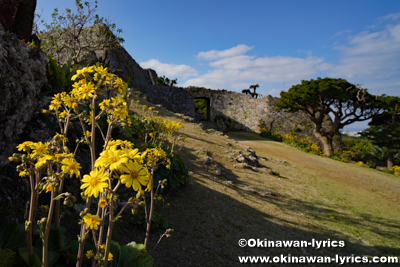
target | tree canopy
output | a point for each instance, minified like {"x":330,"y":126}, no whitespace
{"x":165,"y":81}
{"x":384,"y":129}
{"x":334,"y":100}
{"x":253,"y":94}
{"x":68,"y":36}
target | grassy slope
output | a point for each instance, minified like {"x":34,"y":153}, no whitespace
{"x":315,"y":197}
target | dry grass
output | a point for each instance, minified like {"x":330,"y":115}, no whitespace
{"x":314,"y":197}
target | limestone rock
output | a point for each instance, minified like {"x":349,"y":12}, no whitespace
{"x":22,"y":75}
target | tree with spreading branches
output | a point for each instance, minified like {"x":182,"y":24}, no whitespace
{"x":334,"y":100}
{"x":254,"y":87}
{"x":71,"y":37}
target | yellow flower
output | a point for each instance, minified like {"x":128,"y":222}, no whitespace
{"x":82,"y":72}
{"x":92,"y":221}
{"x":88,"y":134}
{"x":119,"y":84}
{"x":43,"y":160}
{"x":94,"y":183}
{"x":124,"y":144}
{"x":39,"y":149}
{"x":104,"y":104}
{"x":71,"y":167}
{"x":49,"y":188}
{"x":63,"y":114}
{"x":102,"y":202}
{"x":75,"y":87}
{"x":121,"y":113}
{"x":86,"y":90}
{"x":135,"y":176}
{"x":89,"y":254}
{"x":60,"y":137}
{"x":69,"y":101}
{"x":55,"y":105}
{"x":25,"y":146}
{"x":110,"y":256}
{"x":22,"y":173}
{"x":111,"y":158}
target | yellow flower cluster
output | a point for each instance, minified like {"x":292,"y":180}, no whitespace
{"x":40,"y":155}
{"x":360,"y":164}
{"x":121,"y":158}
{"x":314,"y":147}
{"x":289,"y":137}
{"x":91,"y":82}
{"x":396,"y":170}
{"x":160,"y":130}
{"x":115,"y":108}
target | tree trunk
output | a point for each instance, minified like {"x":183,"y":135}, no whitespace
{"x":390,"y":159}
{"x":327,"y":141}
{"x":23,"y":21}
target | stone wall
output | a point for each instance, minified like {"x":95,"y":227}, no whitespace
{"x":175,"y":99}
{"x":243,"y":112}
{"x":22,"y":75}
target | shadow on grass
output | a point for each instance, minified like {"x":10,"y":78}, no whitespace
{"x":208,"y":225}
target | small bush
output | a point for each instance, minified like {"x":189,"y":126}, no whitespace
{"x":272,"y":135}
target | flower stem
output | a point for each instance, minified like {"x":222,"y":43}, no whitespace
{"x":47,"y":231}
{"x":151,"y":209}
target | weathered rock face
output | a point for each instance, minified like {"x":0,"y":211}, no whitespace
{"x":22,"y":75}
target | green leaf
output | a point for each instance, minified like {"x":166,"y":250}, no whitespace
{"x":115,"y":250}
{"x":23,"y":252}
{"x":13,"y":236}
{"x":134,"y":255}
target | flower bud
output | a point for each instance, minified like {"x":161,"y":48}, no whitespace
{"x":139,"y":194}
{"x":134,"y":211}
{"x":142,"y":204}
{"x":83,"y":196}
{"x":20,"y":168}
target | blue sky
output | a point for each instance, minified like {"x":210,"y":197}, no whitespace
{"x":233,"y":44}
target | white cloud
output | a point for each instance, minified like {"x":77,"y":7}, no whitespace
{"x":393,"y":16}
{"x":371,"y":54}
{"x":370,"y":57}
{"x":170,"y":70}
{"x":387,"y":86}
{"x":238,"y":71}
{"x":215,"y":54}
